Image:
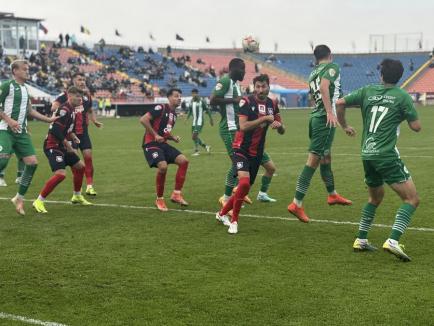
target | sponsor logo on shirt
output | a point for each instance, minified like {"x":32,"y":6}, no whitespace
{"x":261,"y":108}
{"x":370,"y":146}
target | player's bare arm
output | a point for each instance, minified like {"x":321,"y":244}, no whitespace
{"x":145,"y":120}
{"x":249,"y":125}
{"x":35,"y":114}
{"x":93,"y":118}
{"x":324,"y":90}
{"x":340,"y":111}
{"x":216,"y":100}
{"x":415,"y":125}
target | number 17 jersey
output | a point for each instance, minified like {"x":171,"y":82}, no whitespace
{"x":383,"y":110}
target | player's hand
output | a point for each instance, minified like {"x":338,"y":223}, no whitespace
{"x":53,"y":118}
{"x":98,"y":124}
{"x":332,"y":121}
{"x":15,"y":126}
{"x":176,"y":139}
{"x":159,"y":139}
{"x":276,"y":125}
{"x":350,"y":131}
{"x":75,"y":139}
{"x":268,"y":118}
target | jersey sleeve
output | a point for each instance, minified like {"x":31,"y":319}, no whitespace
{"x":59,"y":126}
{"x":4,"y":91}
{"x":222,"y":87}
{"x":410,"y":113}
{"x":62,"y":98}
{"x":354,"y":98}
{"x":277,"y":116}
{"x":331,"y":72}
{"x":155,"y":111}
{"x":244,"y":108}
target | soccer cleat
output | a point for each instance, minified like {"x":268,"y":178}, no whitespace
{"x":79,"y":199}
{"x":161,"y":205}
{"x":208,"y":148}
{"x":223,"y":219}
{"x":3,"y":182}
{"x":222,"y":203}
{"x":195,"y":154}
{"x":246,"y":198}
{"x":263,"y":197}
{"x":39,"y":206}
{"x":233,"y":228}
{"x":337,"y":199}
{"x":18,"y":180}
{"x":90,"y":191}
{"x":298,"y":212}
{"x":396,"y":249}
{"x":359,"y":246}
{"x":177,"y":198}
{"x":19,"y":205}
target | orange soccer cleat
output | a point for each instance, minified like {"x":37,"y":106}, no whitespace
{"x":337,"y":199}
{"x":177,"y":198}
{"x":298,"y":212}
{"x":161,"y":204}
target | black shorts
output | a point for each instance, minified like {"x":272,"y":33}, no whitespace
{"x":246,"y":163}
{"x":85,"y":142}
{"x":156,"y":153}
{"x":60,"y":158}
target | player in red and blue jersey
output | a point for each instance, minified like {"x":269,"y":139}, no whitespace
{"x":159,"y":123}
{"x":257,"y":113}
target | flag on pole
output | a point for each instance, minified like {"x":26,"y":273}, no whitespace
{"x":84,"y":30}
{"x":179,"y":37}
{"x":43,"y":28}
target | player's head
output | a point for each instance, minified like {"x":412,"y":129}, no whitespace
{"x":74,"y":95}
{"x":261,"y":85}
{"x":79,"y":80}
{"x":174,"y":96}
{"x":391,"y":71}
{"x":194,"y":93}
{"x":237,"y":69}
{"x":322,"y":53}
{"x":20,"y":70}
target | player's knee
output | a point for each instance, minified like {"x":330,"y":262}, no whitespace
{"x":414,"y":200}
{"x":162,"y":168}
{"x":61,"y":173}
{"x":271,"y":169}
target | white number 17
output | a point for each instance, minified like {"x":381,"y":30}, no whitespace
{"x":374,"y":125}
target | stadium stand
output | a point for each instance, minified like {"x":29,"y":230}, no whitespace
{"x":423,"y":83}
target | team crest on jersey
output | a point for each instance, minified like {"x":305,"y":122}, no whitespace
{"x":219,"y":86}
{"x":154,"y":155}
{"x":62,"y":113}
{"x":158,"y":108}
{"x":270,"y":111}
{"x":59,"y":159}
{"x":332,"y":72}
{"x":261,"y":108}
{"x":242,"y":102}
{"x":239,"y":165}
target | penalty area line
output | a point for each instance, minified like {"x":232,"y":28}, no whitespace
{"x":285,"y":218}
{"x":6,"y":316}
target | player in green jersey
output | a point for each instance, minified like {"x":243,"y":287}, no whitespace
{"x":196,"y":109}
{"x":325,"y":89}
{"x":383,"y":109}
{"x":15,"y":106}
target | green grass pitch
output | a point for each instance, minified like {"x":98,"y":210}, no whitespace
{"x":131,"y":265}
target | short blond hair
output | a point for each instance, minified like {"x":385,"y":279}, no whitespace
{"x":17,"y":63}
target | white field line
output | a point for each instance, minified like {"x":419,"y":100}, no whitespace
{"x":285,"y":218}
{"x":4,"y":315}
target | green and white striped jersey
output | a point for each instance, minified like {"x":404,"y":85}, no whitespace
{"x":227,"y":88}
{"x":196,"y":109}
{"x":14,"y":100}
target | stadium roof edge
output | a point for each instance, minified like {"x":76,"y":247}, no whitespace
{"x":9,"y":15}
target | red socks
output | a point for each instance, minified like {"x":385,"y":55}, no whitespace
{"x":180,"y":175}
{"x":78,"y":178}
{"x":236,"y":200}
{"x":51,"y":184}
{"x":88,"y":165}
{"x":161,"y":179}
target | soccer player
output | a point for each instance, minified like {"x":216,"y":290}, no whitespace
{"x":325,"y":88}
{"x":83,"y":112}
{"x":383,"y":108}
{"x":196,"y":110}
{"x":257,"y":113}
{"x":60,"y":153}
{"x":15,"y":106}
{"x":159,"y":123}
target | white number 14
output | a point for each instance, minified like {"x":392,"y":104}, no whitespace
{"x":374,"y":125}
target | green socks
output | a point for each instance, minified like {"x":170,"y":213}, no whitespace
{"x":368,"y":214}
{"x":402,"y":220}
{"x":26,"y":179}
{"x":265,"y":183}
{"x":20,"y":168}
{"x":327,"y":177}
{"x":303,"y":182}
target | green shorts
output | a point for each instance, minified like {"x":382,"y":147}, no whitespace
{"x":20,"y":144}
{"x":390,"y":171}
{"x":321,"y":136}
{"x":228,"y":138}
{"x":196,"y":129}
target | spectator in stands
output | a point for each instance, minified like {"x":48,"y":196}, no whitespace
{"x":61,"y":39}
{"x":67,"y":40}
{"x":1,"y":51}
{"x":411,"y":67}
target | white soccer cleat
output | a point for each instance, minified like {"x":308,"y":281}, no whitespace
{"x":208,"y":148}
{"x":233,"y":228}
{"x":3,"y":182}
{"x":396,"y":249}
{"x":19,"y":205}
{"x":263,"y":197}
{"x":195,"y":154}
{"x":224,"y":219}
